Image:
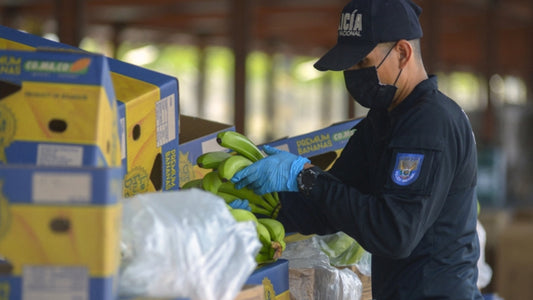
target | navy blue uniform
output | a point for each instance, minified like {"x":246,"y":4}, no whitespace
{"x":403,"y":187}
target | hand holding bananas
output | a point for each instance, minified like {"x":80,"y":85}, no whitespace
{"x":275,"y":173}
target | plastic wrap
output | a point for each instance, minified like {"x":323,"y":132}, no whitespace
{"x":484,"y":270}
{"x":311,"y":276}
{"x":184,"y":244}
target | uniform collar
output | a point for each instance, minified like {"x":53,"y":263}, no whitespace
{"x":416,"y":95}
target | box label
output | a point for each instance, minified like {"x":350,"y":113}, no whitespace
{"x":61,"y":188}
{"x":59,"y":155}
{"x":166,"y":120}
{"x":58,"y":283}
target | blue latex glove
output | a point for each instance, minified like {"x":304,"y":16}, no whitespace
{"x":241,"y":204}
{"x":276,"y":172}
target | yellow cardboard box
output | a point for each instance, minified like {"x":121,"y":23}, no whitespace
{"x":59,"y":232}
{"x":148,"y":104}
{"x":57,"y":108}
{"x":148,"y":118}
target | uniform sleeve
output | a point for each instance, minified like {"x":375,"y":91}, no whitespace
{"x":391,"y":222}
{"x":298,"y":214}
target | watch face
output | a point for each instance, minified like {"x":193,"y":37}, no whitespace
{"x":306,"y":180}
{"x":308,"y":177}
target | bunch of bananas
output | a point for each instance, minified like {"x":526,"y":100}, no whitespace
{"x":223,"y":165}
{"x":270,"y":232}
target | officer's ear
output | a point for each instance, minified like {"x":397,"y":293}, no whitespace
{"x":405,"y":52}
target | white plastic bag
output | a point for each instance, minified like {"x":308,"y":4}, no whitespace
{"x":311,"y":275}
{"x":184,"y":244}
{"x":484,"y":270}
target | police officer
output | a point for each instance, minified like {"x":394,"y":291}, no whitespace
{"x":403,"y":185}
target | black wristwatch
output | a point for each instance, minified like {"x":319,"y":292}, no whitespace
{"x":306,"y":179}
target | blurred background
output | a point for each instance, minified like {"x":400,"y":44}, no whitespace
{"x":250,"y":63}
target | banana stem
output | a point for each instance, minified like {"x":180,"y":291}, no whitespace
{"x":259,"y":210}
{"x":271,"y":199}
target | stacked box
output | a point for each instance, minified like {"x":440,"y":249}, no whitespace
{"x":148,"y":104}
{"x":60,"y":175}
{"x":148,"y":118}
{"x":59,"y":232}
{"x":57,"y":108}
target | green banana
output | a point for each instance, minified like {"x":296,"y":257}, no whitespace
{"x":211,"y":160}
{"x":263,"y":234}
{"x":211,"y":182}
{"x":274,"y":227}
{"x":195,"y":183}
{"x":240,"y":144}
{"x":232,"y":165}
{"x":245,"y":193}
{"x":263,"y":257}
{"x":242,"y":215}
{"x":272,"y":199}
{"x":228,"y":198}
{"x":259,"y":210}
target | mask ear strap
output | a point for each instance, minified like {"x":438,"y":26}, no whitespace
{"x":397,"y":77}
{"x":383,"y":60}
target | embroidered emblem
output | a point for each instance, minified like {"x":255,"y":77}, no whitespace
{"x":407,"y":168}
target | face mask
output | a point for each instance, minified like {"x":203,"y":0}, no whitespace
{"x":364,"y":86}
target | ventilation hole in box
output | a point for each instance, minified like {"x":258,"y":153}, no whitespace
{"x":57,"y":125}
{"x":6,"y":267}
{"x":60,"y":225}
{"x":136,"y":134}
{"x":156,"y":175}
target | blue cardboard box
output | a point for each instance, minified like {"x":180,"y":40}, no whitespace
{"x":322,"y":146}
{"x":275,"y":279}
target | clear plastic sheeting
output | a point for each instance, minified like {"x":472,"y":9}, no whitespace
{"x":311,"y":276}
{"x":341,"y":249}
{"x":184,"y":244}
{"x":484,"y":270}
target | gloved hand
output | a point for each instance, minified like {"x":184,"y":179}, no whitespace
{"x":276,"y":172}
{"x":241,"y":204}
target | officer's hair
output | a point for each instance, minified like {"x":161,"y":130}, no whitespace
{"x":385,"y":47}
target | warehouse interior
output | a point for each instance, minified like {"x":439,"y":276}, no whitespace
{"x":490,"y":39}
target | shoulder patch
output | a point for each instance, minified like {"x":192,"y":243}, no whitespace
{"x":407,"y":168}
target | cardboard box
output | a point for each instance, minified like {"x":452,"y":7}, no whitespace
{"x":197,"y":136}
{"x":323,"y":146}
{"x":304,"y":282}
{"x":367,"y":283}
{"x":275,"y":279}
{"x":252,"y":292}
{"x":248,"y":292}
{"x":59,"y":232}
{"x":513,"y":273}
{"x":148,"y":104}
{"x":57,"y":108}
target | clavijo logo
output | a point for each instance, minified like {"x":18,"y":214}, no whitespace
{"x":351,"y":24}
{"x":79,"y":66}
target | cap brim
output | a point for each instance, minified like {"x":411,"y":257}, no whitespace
{"x":341,"y":57}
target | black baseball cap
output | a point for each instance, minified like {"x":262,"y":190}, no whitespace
{"x":366,"y":23}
